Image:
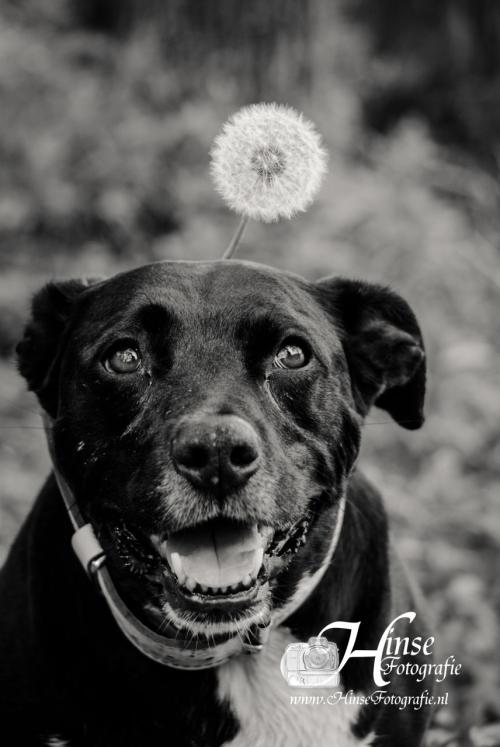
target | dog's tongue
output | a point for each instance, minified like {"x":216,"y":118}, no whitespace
{"x":217,"y":555}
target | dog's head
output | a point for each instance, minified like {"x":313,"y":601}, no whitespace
{"x":207,"y":416}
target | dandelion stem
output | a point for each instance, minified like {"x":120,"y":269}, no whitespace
{"x":233,"y":244}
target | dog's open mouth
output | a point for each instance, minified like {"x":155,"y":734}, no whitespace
{"x":217,"y":559}
{"x":218,"y":564}
{"x":213,"y":576}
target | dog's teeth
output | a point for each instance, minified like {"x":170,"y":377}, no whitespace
{"x":258,"y":562}
{"x":162,"y":549}
{"x":247,"y":581}
{"x":190,"y":583}
{"x":266,"y":532}
{"x":176,"y":563}
{"x":204,"y":588}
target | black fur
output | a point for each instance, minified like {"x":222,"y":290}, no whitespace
{"x":208,"y":333}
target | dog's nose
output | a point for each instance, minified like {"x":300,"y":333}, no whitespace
{"x":220,"y":452}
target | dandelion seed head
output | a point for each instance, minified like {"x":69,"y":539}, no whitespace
{"x":268,"y":162}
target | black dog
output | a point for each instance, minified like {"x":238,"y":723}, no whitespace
{"x":207,"y":419}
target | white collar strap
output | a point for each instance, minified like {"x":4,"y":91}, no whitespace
{"x":174,"y":651}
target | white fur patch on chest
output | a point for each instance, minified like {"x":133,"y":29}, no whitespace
{"x":260,"y":699}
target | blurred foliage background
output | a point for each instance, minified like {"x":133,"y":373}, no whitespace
{"x":107,"y":113}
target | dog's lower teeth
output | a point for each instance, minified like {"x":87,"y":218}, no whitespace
{"x":192,"y":586}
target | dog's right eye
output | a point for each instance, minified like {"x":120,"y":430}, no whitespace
{"x":291,"y":356}
{"x":123,"y":360}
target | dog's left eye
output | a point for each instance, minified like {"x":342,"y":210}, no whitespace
{"x":123,"y":360}
{"x":290,"y":355}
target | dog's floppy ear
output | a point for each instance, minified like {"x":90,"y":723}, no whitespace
{"x":383,"y":346}
{"x":38,"y":351}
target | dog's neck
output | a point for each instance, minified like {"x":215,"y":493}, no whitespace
{"x":65,"y":618}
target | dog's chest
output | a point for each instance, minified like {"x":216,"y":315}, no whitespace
{"x":270,"y":712}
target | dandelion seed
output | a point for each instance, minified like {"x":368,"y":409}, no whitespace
{"x":268,"y":162}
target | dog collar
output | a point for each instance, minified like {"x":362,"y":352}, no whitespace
{"x":174,"y":652}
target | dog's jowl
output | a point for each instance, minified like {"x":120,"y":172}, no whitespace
{"x":204,"y":421}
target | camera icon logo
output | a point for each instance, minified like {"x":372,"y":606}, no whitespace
{"x":311,"y":664}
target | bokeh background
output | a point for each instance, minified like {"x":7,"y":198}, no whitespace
{"x":107,"y":112}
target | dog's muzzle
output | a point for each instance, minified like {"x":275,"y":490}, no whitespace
{"x":174,"y":651}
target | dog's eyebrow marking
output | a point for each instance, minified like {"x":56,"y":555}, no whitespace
{"x":270,"y":323}
{"x":154,"y":317}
